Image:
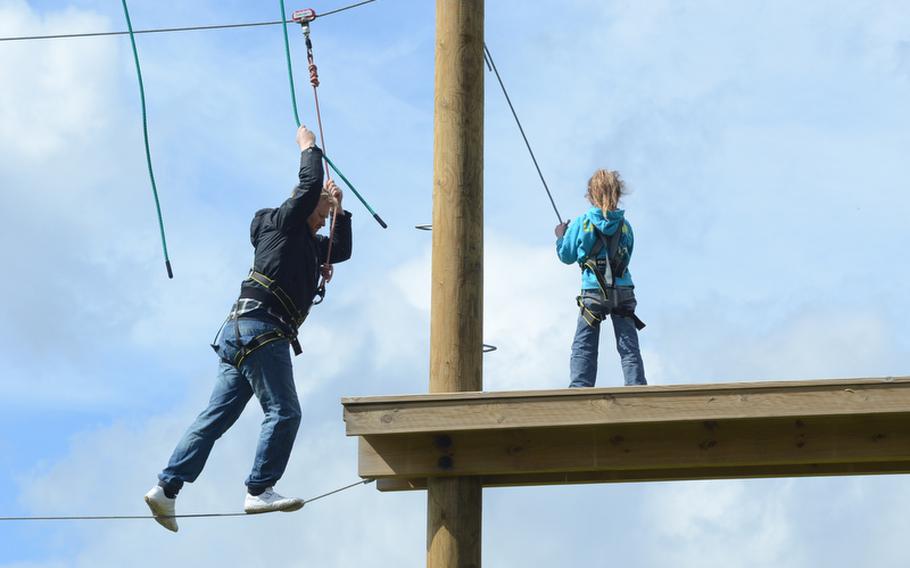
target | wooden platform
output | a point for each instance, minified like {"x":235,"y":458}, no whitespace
{"x":653,"y":433}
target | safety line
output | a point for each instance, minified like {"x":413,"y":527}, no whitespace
{"x":183,"y":516}
{"x":340,"y":489}
{"x":488,"y":57}
{"x":323,"y":280}
{"x":314,"y":82}
{"x":145,"y":134}
{"x":182,"y":29}
{"x":287,"y":51}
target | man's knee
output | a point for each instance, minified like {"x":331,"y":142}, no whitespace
{"x":290,"y":415}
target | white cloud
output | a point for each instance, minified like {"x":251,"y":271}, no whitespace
{"x":60,"y":90}
{"x":529,"y":314}
{"x":69,"y":234}
{"x":802,"y":342}
{"x":711,"y":523}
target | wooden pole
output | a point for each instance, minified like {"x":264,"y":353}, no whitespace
{"x":456,"y":329}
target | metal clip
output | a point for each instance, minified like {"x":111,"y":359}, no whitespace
{"x":304,"y":16}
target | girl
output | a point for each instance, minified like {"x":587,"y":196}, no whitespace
{"x":600,"y":241}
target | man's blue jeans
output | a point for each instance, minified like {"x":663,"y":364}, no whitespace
{"x":583,"y":362}
{"x":267,"y":373}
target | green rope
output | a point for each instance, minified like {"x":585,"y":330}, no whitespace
{"x":145,"y":133}
{"x":287,"y":52}
{"x":367,"y":205}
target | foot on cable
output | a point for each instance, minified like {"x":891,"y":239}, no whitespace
{"x":163,"y":507}
{"x":269,"y":501}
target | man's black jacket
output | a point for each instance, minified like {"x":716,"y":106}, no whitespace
{"x":286,"y":250}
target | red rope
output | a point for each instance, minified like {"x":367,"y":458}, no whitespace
{"x":314,"y":80}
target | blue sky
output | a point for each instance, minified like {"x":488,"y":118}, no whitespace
{"x":765,"y":146}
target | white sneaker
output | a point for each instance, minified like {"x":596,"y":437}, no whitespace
{"x":269,"y":501}
{"x":162,"y":507}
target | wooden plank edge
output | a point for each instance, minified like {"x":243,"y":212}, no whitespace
{"x":601,"y":391}
{"x":664,"y":475}
{"x":630,"y":407}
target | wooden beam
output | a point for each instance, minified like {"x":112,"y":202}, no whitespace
{"x":695,"y":446}
{"x":834,"y":427}
{"x":573,"y":407}
{"x":681,"y":474}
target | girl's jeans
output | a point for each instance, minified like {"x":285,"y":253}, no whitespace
{"x":583,"y":362}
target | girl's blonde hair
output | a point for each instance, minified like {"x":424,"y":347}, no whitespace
{"x":604,"y":190}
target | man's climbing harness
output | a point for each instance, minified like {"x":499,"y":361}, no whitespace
{"x":604,"y":270}
{"x":145,"y":133}
{"x":270,"y":293}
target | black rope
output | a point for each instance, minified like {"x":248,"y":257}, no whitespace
{"x":184,"y":516}
{"x":184,"y":29}
{"x":488,"y":58}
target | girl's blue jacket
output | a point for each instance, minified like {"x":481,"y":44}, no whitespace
{"x":574,"y":246}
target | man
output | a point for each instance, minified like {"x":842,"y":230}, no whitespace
{"x":253,"y":342}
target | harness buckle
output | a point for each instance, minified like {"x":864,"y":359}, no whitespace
{"x":320,"y":295}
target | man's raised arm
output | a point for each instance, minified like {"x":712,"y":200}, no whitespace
{"x":294,"y":211}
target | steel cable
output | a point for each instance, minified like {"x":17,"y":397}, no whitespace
{"x":181,"y":29}
{"x":488,"y":57}
{"x":183,"y":516}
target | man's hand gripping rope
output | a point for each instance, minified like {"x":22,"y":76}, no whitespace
{"x":327,"y":270}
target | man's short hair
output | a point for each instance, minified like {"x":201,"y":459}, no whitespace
{"x":327,"y":196}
